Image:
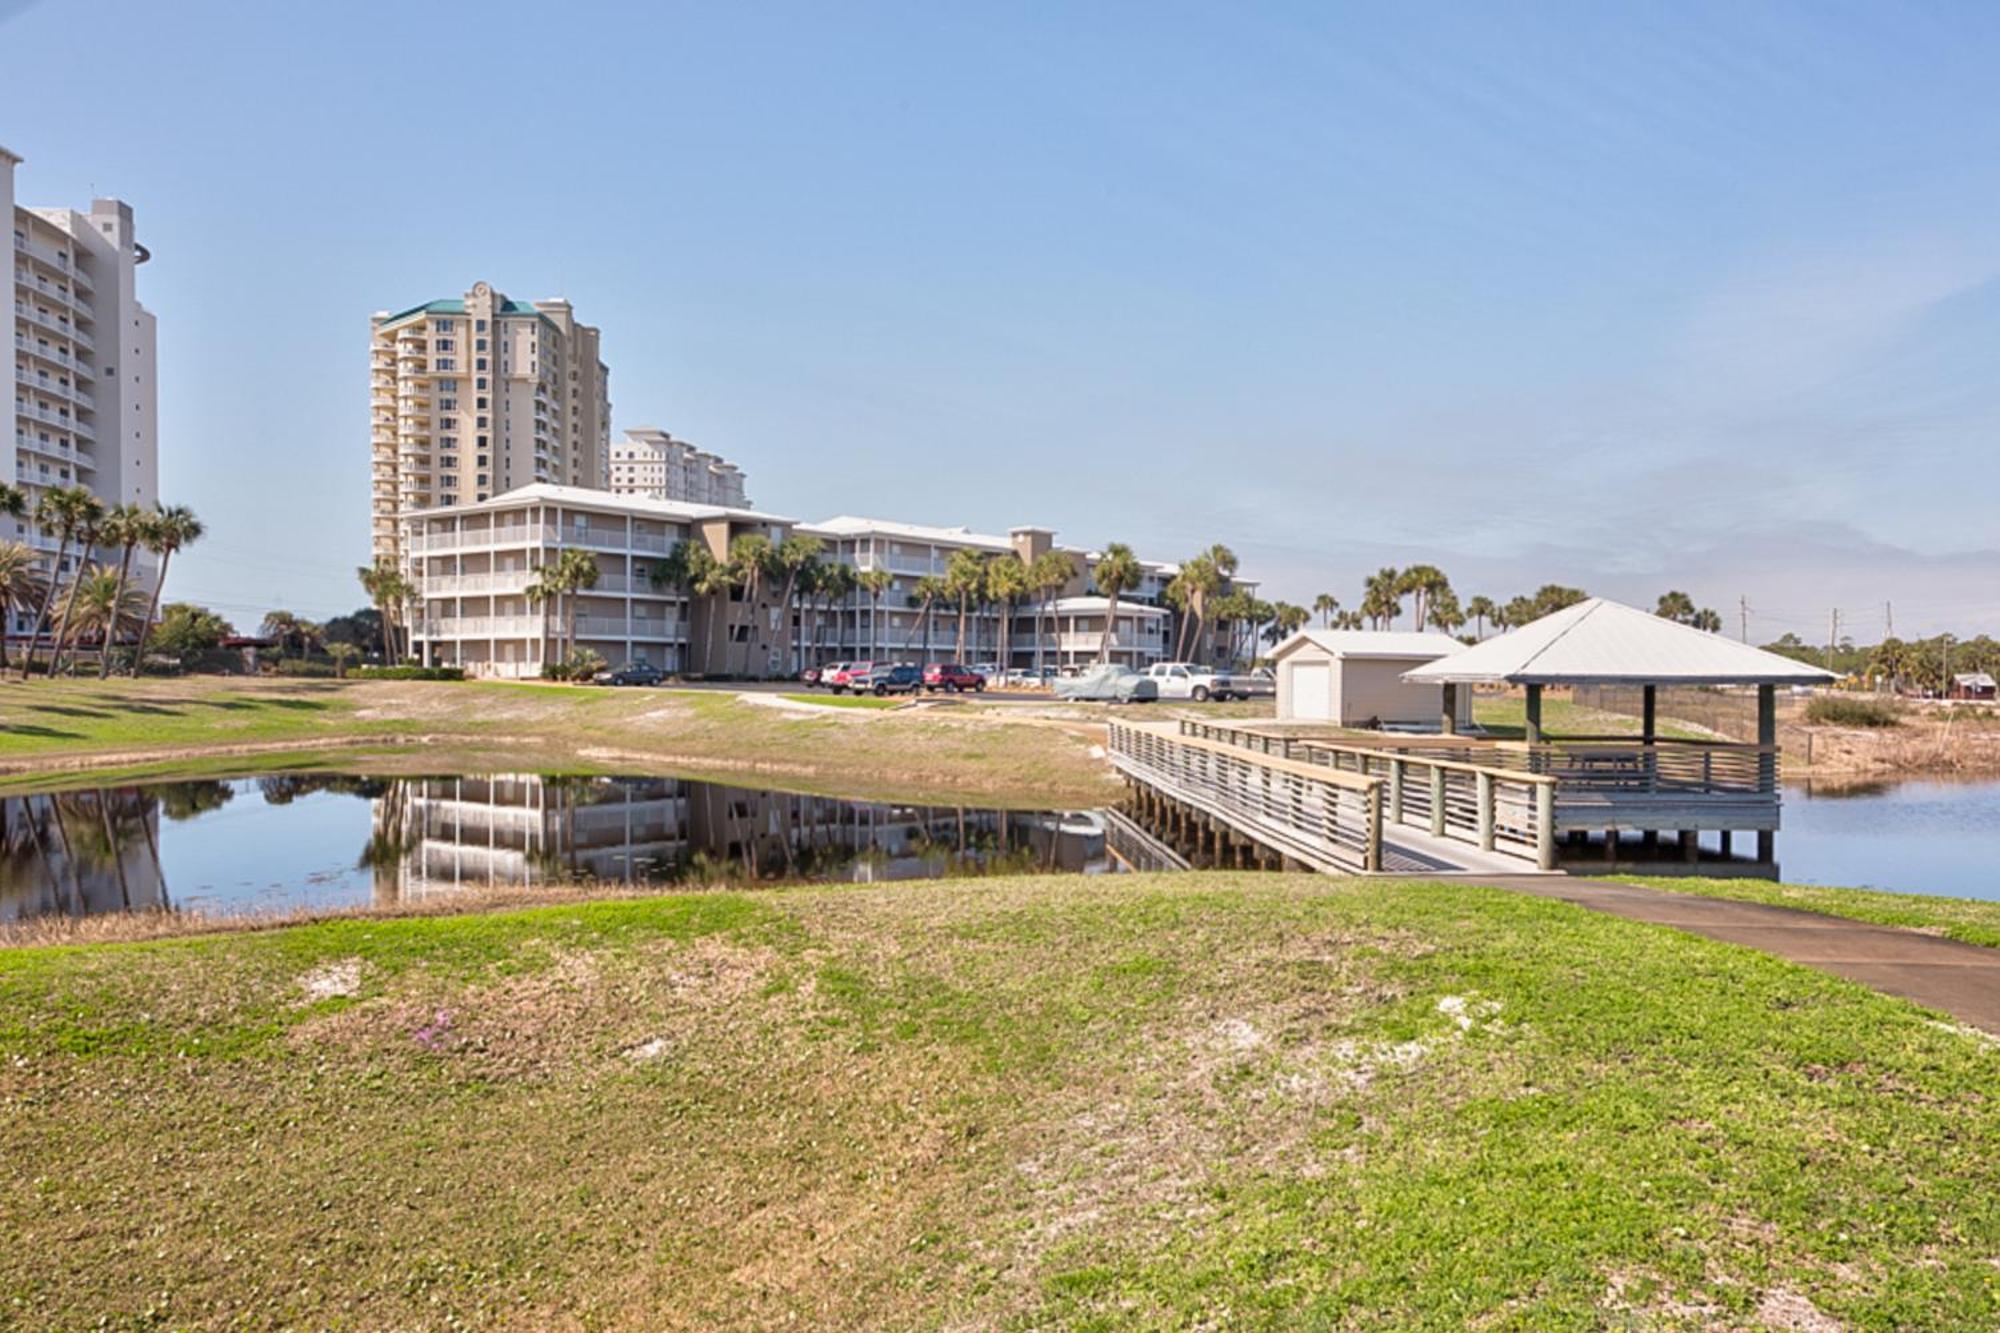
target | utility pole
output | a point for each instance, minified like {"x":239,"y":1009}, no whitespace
{"x":1832,"y":638}
{"x":1888,"y":620}
{"x":1743,"y":611}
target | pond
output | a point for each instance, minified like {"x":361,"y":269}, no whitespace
{"x":1939,"y":837}
{"x":318,"y":840}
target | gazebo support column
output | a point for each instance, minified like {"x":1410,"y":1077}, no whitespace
{"x":1448,"y":718}
{"x":1767,"y":764}
{"x":1532,"y":733}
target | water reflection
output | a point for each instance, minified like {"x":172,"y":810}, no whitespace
{"x":298,"y":839}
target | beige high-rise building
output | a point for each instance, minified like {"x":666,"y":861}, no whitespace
{"x":84,"y":396}
{"x":652,"y":464}
{"x":479,"y":396}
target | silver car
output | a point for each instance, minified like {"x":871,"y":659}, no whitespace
{"x":1108,"y":683}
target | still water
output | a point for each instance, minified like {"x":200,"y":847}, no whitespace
{"x":296,"y":840}
{"x":1910,"y":837}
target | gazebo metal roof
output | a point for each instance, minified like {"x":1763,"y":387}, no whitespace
{"x":1600,"y":642}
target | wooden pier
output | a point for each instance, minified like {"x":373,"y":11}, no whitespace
{"x":1367,"y":803}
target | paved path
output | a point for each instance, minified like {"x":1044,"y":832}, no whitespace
{"x":1962,"y":980}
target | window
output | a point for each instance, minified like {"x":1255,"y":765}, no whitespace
{"x":444,"y":363}
{"x":481,"y":404}
{"x":441,"y":325}
{"x":479,"y":326}
{"x":482,"y":423}
{"x":479,"y":363}
{"x":441,"y":344}
{"x":479,"y":345}
{"x":480,"y":384}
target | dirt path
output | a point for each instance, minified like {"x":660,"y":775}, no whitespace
{"x":1962,"y":980}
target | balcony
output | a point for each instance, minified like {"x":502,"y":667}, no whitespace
{"x":37,"y":250}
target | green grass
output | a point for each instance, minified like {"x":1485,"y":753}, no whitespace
{"x":48,"y":728}
{"x":1506,"y":717}
{"x":1972,"y":920}
{"x":845,"y":700}
{"x":1197,"y":1100}
{"x":1829,"y":710}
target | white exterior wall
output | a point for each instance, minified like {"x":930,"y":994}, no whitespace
{"x":1355,"y":691}
{"x":85,"y":402}
{"x":652,"y":464}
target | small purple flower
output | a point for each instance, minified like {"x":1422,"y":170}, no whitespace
{"x":431,"y":1033}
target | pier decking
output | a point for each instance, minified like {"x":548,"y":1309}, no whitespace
{"x":1364,"y":803}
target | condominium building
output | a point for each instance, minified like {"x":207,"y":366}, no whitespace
{"x":651,"y":463}
{"x":473,"y":564}
{"x":84,"y":396}
{"x":477,"y":396}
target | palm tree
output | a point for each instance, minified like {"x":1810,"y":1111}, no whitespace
{"x":874,"y":582}
{"x":930,"y":590}
{"x":1286,"y":620}
{"x":1382,"y":597}
{"x":21,"y":585}
{"x":342,"y":653}
{"x":1048,"y":576}
{"x":751,"y":557}
{"x":170,"y":529}
{"x":281,"y":626}
{"x":102,"y":604}
{"x":712,"y":579}
{"x":1007,"y":583}
{"x":390,"y":592}
{"x":86,"y":550}
{"x":1426,"y":583}
{"x":1117,"y":569}
{"x":1676,"y":606}
{"x":1707,"y":620}
{"x":793,"y":557}
{"x":964,"y":581}
{"x":68,"y":511}
{"x":1481,"y":610}
{"x":573,"y":570}
{"x":1327,"y":605}
{"x":125,"y":527}
{"x":1444,"y":611}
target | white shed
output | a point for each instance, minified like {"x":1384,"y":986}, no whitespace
{"x":1354,"y":678}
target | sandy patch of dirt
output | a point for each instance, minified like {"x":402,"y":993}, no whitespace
{"x":328,"y":981}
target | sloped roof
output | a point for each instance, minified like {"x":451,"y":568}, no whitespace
{"x":1064,"y":606}
{"x":606,"y":502}
{"x":849,"y":525}
{"x":1605,"y":642}
{"x":1401,"y":645}
{"x":1980,"y":680}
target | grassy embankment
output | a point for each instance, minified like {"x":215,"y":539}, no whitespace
{"x":181,"y":727}
{"x":1206,"y":1099}
{"x":1973,"y":920}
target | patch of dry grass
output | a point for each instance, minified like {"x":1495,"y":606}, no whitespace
{"x":1203,"y":1100}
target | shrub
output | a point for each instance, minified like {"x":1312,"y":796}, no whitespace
{"x":299,"y":666}
{"x":408,"y":673}
{"x":1832,"y":710}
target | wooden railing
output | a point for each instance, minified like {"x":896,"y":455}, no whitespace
{"x":1327,"y":819}
{"x":1444,"y":791}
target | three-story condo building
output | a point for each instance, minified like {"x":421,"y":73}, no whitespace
{"x":478,"y":396}
{"x":473,"y":565}
{"x":83,"y":356}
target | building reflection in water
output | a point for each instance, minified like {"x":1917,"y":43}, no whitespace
{"x":99,"y":850}
{"x":436,"y":834}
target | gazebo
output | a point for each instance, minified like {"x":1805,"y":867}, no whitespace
{"x":1609,"y":783}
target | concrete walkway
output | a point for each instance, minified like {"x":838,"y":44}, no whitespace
{"x":1962,"y":980}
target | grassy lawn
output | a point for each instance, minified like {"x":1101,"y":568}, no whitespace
{"x":47,"y":728}
{"x":1969,"y":919}
{"x":1507,"y":718}
{"x":1196,"y":1100}
{"x":845,"y":700}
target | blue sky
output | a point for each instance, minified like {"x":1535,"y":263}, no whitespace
{"x":1696,"y":296}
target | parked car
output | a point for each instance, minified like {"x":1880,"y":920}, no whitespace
{"x":1191,"y":680}
{"x":633,"y":673}
{"x":1108,"y":682}
{"x":836,"y":676}
{"x":810,"y":676}
{"x":1261,"y":683}
{"x":882,"y":678}
{"x":952,"y":676}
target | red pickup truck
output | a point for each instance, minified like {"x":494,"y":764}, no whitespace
{"x":953,"y":676}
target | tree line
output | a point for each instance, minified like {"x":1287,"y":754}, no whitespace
{"x":98,"y":604}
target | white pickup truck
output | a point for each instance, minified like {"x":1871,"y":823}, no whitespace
{"x":1190,"y":680}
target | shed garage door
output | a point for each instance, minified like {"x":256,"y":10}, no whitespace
{"x":1312,"y":691}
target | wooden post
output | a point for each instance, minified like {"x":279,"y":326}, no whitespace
{"x":1534,"y":728}
{"x":1395,"y":790}
{"x":1545,"y":825}
{"x":1690,"y":845}
{"x":1371,"y":848}
{"x":1437,"y":801}
{"x":1482,"y":782}
{"x":1448,"y":718}
{"x":1767,"y":764}
{"x":1649,"y":733}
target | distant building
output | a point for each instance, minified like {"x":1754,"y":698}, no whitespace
{"x":1978,"y":685}
{"x":478,"y":396}
{"x":652,"y":464}
{"x":472,"y":565}
{"x":85,"y":403}
{"x":1354,"y":678}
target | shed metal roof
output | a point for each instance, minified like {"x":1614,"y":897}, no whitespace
{"x":1398,"y":645}
{"x":1601,"y":642}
